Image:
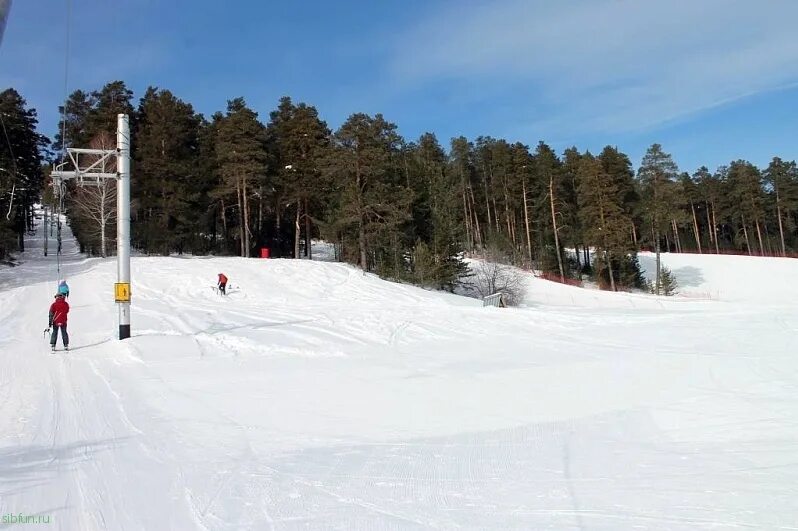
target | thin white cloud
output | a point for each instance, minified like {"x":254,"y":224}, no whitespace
{"x":607,"y":65}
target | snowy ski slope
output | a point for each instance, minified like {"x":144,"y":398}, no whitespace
{"x":316,"y":397}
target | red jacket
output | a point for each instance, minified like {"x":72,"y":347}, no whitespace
{"x":58,"y":312}
{"x":222,"y":279}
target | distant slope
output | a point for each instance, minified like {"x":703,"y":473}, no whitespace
{"x":730,"y":278}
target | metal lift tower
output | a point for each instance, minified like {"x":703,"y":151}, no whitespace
{"x":92,"y":175}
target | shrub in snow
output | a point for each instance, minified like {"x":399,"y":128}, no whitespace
{"x":491,"y":277}
{"x":667,"y":283}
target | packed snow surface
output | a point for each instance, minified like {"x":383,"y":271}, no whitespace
{"x":314,"y":396}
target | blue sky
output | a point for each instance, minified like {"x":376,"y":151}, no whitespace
{"x":711,"y":80}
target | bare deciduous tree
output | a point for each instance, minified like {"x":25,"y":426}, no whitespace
{"x":491,"y":277}
{"x":97,"y":201}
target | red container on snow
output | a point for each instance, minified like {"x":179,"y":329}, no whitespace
{"x":265,"y":252}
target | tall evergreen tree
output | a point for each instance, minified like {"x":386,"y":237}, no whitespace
{"x":656,"y":174}
{"x":300,"y":142}
{"x":461,"y":166}
{"x":782,"y":177}
{"x":168,"y":186}
{"x":549,"y":174}
{"x":603,"y":219}
{"x":691,"y":198}
{"x":374,"y":201}
{"x":747,"y":200}
{"x":572,"y":161}
{"x":709,"y":190}
{"x":78,"y":106}
{"x":619,"y":168}
{"x":111,"y":100}
{"x":21,"y":176}
{"x":437,"y":223}
{"x":242,"y":158}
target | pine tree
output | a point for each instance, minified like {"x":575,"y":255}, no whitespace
{"x":656,"y":175}
{"x":242,"y":157}
{"x":691,"y":198}
{"x":782,"y":177}
{"x":20,"y":169}
{"x":523,"y":167}
{"x":605,"y":225}
{"x":167,"y":185}
{"x":667,"y":283}
{"x":709,"y":187}
{"x":79,"y":105}
{"x":747,"y":201}
{"x":436,"y":211}
{"x":111,"y":100}
{"x":461,"y":165}
{"x":549,"y":173}
{"x":619,"y":168}
{"x":373,"y":201}
{"x":300,"y":142}
{"x":572,"y":160}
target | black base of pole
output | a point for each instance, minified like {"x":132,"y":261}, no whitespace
{"x":124,"y":331}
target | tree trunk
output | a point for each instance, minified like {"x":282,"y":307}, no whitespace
{"x":510,"y":231}
{"x":695,"y":228}
{"x":496,"y":216}
{"x":715,"y":228}
{"x":308,"y":249}
{"x":781,"y":227}
{"x":361,"y":230}
{"x":526,"y":223}
{"x":296,"y":229}
{"x":759,"y":237}
{"x":477,"y":227}
{"x":554,"y":224}
{"x":102,"y":227}
{"x":487,"y":198}
{"x":676,"y":238}
{"x":769,"y":241}
{"x":361,"y":240}
{"x":247,"y":231}
{"x":224,"y":221}
{"x":609,"y":268}
{"x":20,"y":230}
{"x":467,"y":219}
{"x":709,"y":228}
{"x":604,"y":244}
{"x":656,"y":248}
{"x":260,"y":212}
{"x":240,"y":218}
{"x":45,"y":231}
{"x":745,"y":232}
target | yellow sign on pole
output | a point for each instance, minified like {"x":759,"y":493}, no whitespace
{"x":122,"y":291}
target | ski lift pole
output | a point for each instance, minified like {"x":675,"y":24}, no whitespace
{"x":122,"y":288}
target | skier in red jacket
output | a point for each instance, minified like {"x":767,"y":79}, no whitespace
{"x":222,"y":283}
{"x":58,"y":319}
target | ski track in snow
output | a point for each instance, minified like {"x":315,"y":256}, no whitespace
{"x":315,"y":396}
